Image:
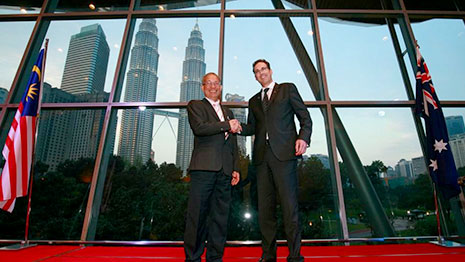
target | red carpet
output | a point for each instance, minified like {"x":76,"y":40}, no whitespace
{"x":397,"y":253}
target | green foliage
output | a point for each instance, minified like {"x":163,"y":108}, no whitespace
{"x":148,"y":202}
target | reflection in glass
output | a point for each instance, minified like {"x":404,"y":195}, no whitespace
{"x":449,"y":5}
{"x":81,"y":59}
{"x":29,"y":7}
{"x":180,"y":5}
{"x":441,"y":44}
{"x":265,"y":4}
{"x":360,"y":61}
{"x":272,"y":45}
{"x":11,"y":51}
{"x":91,"y":6}
{"x":370,"y":4}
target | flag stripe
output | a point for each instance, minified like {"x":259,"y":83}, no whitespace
{"x":19,"y":145}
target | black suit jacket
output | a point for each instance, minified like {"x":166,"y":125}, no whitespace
{"x":278,"y":121}
{"x":211,"y":151}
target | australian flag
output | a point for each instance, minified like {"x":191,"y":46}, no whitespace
{"x":441,"y":162}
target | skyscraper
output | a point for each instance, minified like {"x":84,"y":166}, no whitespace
{"x":239,"y":114}
{"x":137,"y":125}
{"x":72,"y":134}
{"x":192,"y":71}
{"x":86,"y":61}
{"x":457,"y":146}
{"x":455,"y":125}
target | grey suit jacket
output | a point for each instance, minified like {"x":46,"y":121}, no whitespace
{"x":211,"y":151}
{"x":278,"y":122}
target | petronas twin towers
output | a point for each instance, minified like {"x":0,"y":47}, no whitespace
{"x":137,"y":125}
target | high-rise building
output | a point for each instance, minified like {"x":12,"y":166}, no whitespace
{"x":72,"y":134}
{"x":404,"y":168}
{"x":193,"y":70}
{"x":137,"y":125}
{"x":455,"y":125}
{"x":419,"y":166}
{"x":54,"y":128}
{"x":239,"y":114}
{"x":457,"y":145}
{"x":86,"y":61}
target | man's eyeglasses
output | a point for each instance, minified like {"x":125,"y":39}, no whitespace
{"x":211,"y":83}
{"x":259,"y":70}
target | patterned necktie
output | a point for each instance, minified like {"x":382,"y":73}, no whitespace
{"x":218,"y":111}
{"x":265,"y":101}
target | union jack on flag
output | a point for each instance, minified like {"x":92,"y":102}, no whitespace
{"x":19,"y":144}
{"x":441,"y":161}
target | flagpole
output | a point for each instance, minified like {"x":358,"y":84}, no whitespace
{"x":438,"y":221}
{"x":31,"y":176}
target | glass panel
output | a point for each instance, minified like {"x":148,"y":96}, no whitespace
{"x":169,"y":58}
{"x":66,"y":149}
{"x":456,"y":129}
{"x":89,"y":6}
{"x":81,"y":59}
{"x":369,"y":4}
{"x":441,"y":45}
{"x":317,"y":193}
{"x":246,"y":4}
{"x":158,"y":191}
{"x":449,"y":5}
{"x":318,"y":199}
{"x":395,"y":167}
{"x":11,"y":52}
{"x":144,"y":196}
{"x":240,"y":54}
{"x":26,"y":7}
{"x":180,"y":5}
{"x":364,"y":65}
{"x":266,"y":4}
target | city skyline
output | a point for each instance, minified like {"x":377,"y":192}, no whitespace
{"x":398,"y":130}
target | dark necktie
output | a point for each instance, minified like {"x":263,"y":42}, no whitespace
{"x":265,"y":101}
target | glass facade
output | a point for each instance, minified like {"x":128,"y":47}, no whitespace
{"x":114,"y":143}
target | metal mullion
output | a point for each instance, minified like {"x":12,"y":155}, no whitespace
{"x":266,"y":12}
{"x":221,"y":43}
{"x":18,"y":17}
{"x":118,"y":72}
{"x":330,"y":123}
{"x":432,"y":14}
{"x":379,"y":12}
{"x":385,"y":103}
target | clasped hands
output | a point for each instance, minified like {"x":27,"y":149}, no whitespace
{"x":235,"y":126}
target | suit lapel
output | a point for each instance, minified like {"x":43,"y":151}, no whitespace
{"x":210,"y":108}
{"x":275,"y":91}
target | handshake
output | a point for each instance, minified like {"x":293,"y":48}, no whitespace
{"x":235,"y":126}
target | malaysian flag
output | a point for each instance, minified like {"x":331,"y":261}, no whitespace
{"x":441,"y":162}
{"x":19,"y":144}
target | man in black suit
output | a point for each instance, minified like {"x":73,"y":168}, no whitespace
{"x":213,"y":169}
{"x":276,"y":149}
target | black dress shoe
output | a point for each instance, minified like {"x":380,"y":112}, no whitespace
{"x":266,"y":260}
